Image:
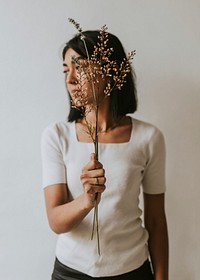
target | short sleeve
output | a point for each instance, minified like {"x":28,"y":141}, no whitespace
{"x":53,"y":166}
{"x":154,"y":174}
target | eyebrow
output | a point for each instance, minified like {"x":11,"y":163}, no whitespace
{"x":77,"y":57}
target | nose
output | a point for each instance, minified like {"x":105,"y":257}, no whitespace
{"x":71,"y":77}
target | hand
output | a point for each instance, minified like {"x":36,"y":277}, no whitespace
{"x":93,"y":181}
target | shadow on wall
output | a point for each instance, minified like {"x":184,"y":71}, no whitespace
{"x":179,"y":108}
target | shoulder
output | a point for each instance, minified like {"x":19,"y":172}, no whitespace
{"x":146,"y":130}
{"x":57,"y":132}
{"x":57,"y":128}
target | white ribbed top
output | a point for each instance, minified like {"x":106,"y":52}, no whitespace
{"x":128,"y":166}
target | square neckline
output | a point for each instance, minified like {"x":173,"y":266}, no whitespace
{"x":75,"y":136}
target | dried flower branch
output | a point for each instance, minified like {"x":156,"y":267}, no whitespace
{"x":76,"y":24}
{"x":95,"y":68}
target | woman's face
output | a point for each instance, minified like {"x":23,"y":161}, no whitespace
{"x":79,"y":80}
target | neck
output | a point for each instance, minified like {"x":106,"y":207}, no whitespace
{"x":105,"y":119}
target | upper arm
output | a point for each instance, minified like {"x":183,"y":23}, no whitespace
{"x":153,"y":180}
{"x":52,"y":151}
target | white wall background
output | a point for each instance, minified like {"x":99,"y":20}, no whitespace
{"x":32,"y":32}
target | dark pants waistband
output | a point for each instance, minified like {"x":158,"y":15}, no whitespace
{"x":63,"y":272}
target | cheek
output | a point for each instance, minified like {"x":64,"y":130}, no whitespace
{"x":79,"y":98}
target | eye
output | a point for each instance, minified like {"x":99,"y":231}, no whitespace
{"x":66,"y":68}
{"x":66,"y":71}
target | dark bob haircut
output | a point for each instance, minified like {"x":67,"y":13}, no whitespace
{"x":122,"y":101}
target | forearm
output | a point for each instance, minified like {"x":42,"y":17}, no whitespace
{"x":158,"y":247}
{"x":65,"y":217}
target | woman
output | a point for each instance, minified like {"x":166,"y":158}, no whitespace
{"x":131,"y":156}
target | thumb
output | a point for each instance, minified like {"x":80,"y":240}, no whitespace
{"x":93,"y":156}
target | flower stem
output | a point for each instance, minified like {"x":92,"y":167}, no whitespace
{"x":96,"y":216}
{"x":96,"y":133}
{"x":97,"y":224}
{"x":96,"y":220}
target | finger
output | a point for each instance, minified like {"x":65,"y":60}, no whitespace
{"x":96,"y":173}
{"x":94,"y":189}
{"x":94,"y":160}
{"x":90,"y":177}
{"x":92,"y":156}
{"x":93,"y":164}
{"x":98,"y":181}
